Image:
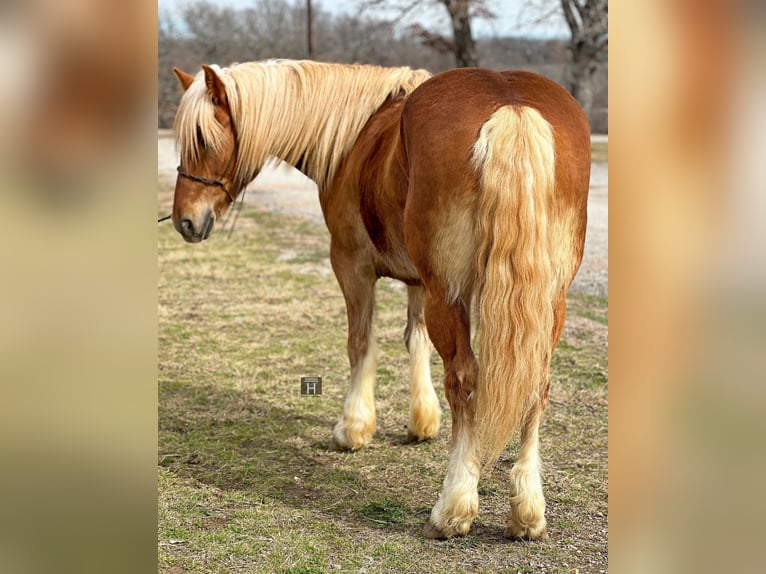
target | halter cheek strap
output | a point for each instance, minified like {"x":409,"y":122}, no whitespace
{"x":219,"y":182}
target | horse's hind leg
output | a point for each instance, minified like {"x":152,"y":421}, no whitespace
{"x":449,"y":327}
{"x":425,"y":412}
{"x":527,"y":516}
{"x":355,"y":428}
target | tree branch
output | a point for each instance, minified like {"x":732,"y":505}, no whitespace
{"x":437,"y":42}
{"x":570,"y":17}
{"x":403,"y":9}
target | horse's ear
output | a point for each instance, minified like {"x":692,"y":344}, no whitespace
{"x":215,"y":86}
{"x":183,"y":78}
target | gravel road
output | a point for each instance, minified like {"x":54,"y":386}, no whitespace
{"x":282,"y":189}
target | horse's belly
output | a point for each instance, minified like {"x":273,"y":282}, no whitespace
{"x":382,"y":212}
{"x":397,"y":265}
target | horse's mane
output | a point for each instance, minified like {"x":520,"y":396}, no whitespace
{"x":307,"y":113}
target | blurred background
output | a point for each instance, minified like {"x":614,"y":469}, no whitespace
{"x":565,"y":40}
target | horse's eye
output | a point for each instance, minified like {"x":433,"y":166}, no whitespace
{"x":200,"y":139}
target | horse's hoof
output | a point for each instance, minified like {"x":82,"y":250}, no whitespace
{"x":344,"y":446}
{"x":413,"y":438}
{"x":433,"y":532}
{"x":337,"y":447}
{"x":424,"y":422}
{"x":516,"y":531}
{"x":352,"y":436}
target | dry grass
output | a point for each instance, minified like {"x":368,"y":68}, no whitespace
{"x":247,"y":482}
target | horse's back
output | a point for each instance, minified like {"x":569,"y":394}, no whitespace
{"x":465,"y":97}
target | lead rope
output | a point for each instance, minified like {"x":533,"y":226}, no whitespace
{"x":236,"y":215}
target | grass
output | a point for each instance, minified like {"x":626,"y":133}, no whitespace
{"x":385,"y":512}
{"x":247,"y":482}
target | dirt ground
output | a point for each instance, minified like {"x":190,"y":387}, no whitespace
{"x":282,"y":189}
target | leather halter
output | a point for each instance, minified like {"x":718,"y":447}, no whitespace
{"x":219,"y":181}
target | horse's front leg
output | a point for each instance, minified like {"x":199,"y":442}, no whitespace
{"x":357,"y":425}
{"x":425,"y":412}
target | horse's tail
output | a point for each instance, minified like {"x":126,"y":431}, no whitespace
{"x":514,"y":154}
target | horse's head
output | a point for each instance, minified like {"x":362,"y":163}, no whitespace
{"x":207,"y":180}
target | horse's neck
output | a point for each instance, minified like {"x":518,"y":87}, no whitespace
{"x":323,"y":138}
{"x":322,"y":129}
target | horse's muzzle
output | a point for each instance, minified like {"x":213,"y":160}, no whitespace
{"x":194,"y":232}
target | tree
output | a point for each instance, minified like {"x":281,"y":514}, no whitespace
{"x":462,"y":44}
{"x":587,"y":21}
{"x":200,"y":32}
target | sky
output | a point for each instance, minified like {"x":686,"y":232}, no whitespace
{"x":505,"y":24}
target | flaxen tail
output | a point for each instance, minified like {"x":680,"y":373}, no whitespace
{"x":515,"y":270}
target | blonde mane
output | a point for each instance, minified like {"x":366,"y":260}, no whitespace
{"x":306,"y":113}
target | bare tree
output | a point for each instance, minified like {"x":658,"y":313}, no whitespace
{"x":204,"y":33}
{"x":587,"y":21}
{"x":461,"y":12}
{"x":201,"y":32}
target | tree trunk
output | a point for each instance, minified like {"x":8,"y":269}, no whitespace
{"x":581,"y":84}
{"x":465,"y":47}
{"x":587,"y":21}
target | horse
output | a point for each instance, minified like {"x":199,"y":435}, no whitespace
{"x":469,"y":186}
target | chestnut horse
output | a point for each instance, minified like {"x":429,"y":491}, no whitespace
{"x":469,"y":186}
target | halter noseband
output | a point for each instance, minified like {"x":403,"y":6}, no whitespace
{"x":219,"y":182}
{"x":207,"y":181}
